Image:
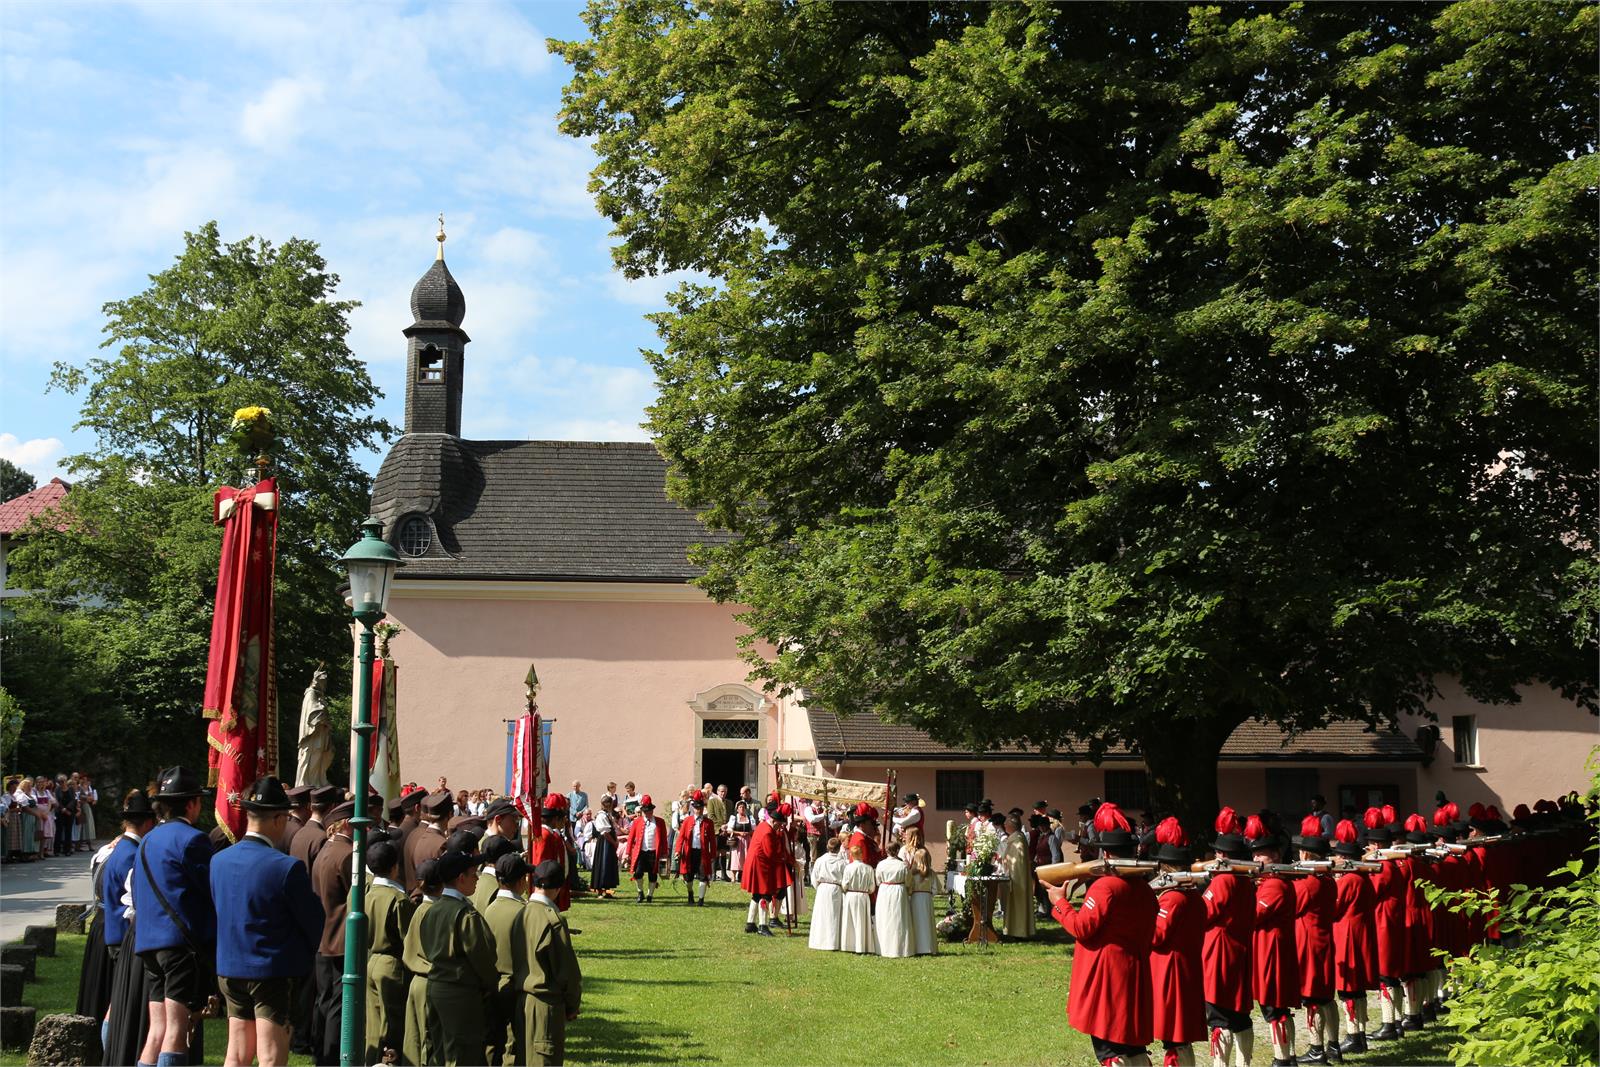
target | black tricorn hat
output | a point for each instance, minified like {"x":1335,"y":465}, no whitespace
{"x":1231,"y":845}
{"x":1312,"y":843}
{"x":178,"y":783}
{"x":1346,"y":848}
{"x":137,"y":806}
{"x":267,"y":796}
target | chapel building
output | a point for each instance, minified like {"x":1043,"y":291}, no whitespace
{"x":569,"y":555}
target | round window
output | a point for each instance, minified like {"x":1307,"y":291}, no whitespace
{"x":415,"y":536}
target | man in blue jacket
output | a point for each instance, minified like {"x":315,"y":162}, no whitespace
{"x":175,"y":933}
{"x":137,"y":819}
{"x":268,"y":922}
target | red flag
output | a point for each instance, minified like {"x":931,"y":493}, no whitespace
{"x":526,"y":764}
{"x":241,"y":690}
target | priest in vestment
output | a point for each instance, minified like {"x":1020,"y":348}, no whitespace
{"x":1020,"y":922}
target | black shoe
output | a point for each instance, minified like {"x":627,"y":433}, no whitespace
{"x":1412,"y":1023}
{"x":766,"y":931}
{"x":1283,"y":1063}
{"x":700,"y":903}
{"x":1430,"y":1012}
{"x":1314,"y":1054}
{"x":1387,"y":1032}
{"x":749,"y":928}
{"x":639,"y":899}
{"x":1354,"y":1044}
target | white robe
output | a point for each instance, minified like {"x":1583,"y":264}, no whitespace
{"x":827,"y":909}
{"x":892,"y":918}
{"x":855,"y":929}
{"x":923,"y":942}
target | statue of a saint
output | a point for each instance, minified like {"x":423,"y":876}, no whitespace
{"x":316,"y":741}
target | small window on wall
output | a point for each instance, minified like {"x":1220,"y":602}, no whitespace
{"x":1128,"y":790}
{"x":1464,"y":739}
{"x":954,"y":790}
{"x":730,"y":729}
{"x":416,"y":536}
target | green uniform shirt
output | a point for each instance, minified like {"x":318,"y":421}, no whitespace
{"x":488,"y":885}
{"x":504,"y":917}
{"x":411,"y":953}
{"x":458,"y":945}
{"x":553,"y":972}
{"x":389,"y":914}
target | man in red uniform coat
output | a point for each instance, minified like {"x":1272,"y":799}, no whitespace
{"x":1389,"y":919}
{"x":768,"y":870}
{"x":865,"y":836}
{"x":647,"y":843}
{"x":697,"y":848}
{"x":1110,"y":999}
{"x":1276,"y":971}
{"x":1230,"y":902}
{"x":1355,"y":940}
{"x":1314,"y":901}
{"x":1419,"y":927}
{"x":549,"y":842}
{"x":1177,"y":992}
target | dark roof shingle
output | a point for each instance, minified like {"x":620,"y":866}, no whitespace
{"x":866,"y":737}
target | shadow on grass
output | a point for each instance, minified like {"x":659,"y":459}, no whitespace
{"x":601,"y":1037}
{"x":1430,"y":1046}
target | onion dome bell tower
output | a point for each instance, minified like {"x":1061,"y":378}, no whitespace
{"x":435,"y":346}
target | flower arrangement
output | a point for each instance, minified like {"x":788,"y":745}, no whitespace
{"x":954,"y":926}
{"x":253,"y":424}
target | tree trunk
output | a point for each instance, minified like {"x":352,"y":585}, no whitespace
{"x":1182,"y":757}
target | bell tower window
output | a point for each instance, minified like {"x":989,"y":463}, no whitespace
{"x":430,"y":365}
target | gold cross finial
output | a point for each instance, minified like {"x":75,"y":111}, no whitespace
{"x":440,"y":238}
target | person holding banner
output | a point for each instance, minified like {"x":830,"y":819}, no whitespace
{"x":548,"y":841}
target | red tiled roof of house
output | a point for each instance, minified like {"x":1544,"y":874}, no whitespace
{"x":19,"y":511}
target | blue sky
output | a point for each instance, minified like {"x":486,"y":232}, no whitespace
{"x":122,"y":125}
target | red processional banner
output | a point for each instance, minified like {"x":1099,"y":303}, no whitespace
{"x":527,"y":765}
{"x":383,"y":753}
{"x":241,"y":685}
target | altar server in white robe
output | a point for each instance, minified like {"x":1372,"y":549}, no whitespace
{"x":892,"y":916}
{"x":855,"y":926}
{"x":827,"y":909}
{"x":921,"y":883}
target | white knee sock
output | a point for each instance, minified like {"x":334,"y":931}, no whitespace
{"x":1388,"y":1010}
{"x":1244,"y":1043}
{"x":1329,"y":1013}
{"x":750,"y":916}
{"x":1221,"y":1046}
{"x":1282,"y":1031}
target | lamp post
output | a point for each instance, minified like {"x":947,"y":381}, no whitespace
{"x":370,"y":564}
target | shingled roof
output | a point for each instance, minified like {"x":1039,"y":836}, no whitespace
{"x":537,"y":510}
{"x":21,"y":510}
{"x":866,"y":737}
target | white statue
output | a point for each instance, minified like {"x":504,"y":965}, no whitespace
{"x":316,"y":747}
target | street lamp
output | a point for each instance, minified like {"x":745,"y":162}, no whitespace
{"x":370,"y":565}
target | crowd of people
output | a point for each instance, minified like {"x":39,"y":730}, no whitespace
{"x":46,"y":816}
{"x":1314,"y":921}
{"x":470,"y":959}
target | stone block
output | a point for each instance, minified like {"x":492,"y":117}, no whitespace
{"x":11,"y":983}
{"x":17,"y":954}
{"x":65,"y":1039}
{"x":42,"y":938}
{"x":70,"y":918}
{"x":16,"y":1027}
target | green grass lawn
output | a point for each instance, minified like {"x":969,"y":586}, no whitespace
{"x":665,"y":983}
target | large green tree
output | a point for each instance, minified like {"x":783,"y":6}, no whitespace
{"x":1109,"y":374}
{"x":14,"y":481}
{"x":134,"y":564}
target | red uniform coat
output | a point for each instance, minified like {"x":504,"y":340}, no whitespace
{"x":1389,"y":886}
{"x":871,"y":854}
{"x":708,"y":847}
{"x":1225,"y":958}
{"x":1177,"y":991}
{"x":1110,"y":997}
{"x":1355,"y":937}
{"x":1472,"y":877}
{"x":1419,"y":920}
{"x":636,"y":838}
{"x":1276,"y":971}
{"x":1313,"y":937}
{"x":548,"y":844}
{"x":1449,"y":925}
{"x":768,"y":863}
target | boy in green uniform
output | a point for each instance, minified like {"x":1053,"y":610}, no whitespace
{"x":488,"y":884}
{"x":462,"y":977}
{"x":389,"y":912}
{"x":504,"y":916}
{"x":416,"y":1051}
{"x":553,"y":988}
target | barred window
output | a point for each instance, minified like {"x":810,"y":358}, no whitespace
{"x":415,"y":536}
{"x":730,"y":729}
{"x":954,"y":790}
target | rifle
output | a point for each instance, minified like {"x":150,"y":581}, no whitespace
{"x":1061,"y":873}
{"x":1364,"y":866}
{"x":1247,"y":868}
{"x":1172,"y":879}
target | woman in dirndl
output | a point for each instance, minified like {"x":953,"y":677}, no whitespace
{"x":606,"y":874}
{"x":740,"y":827}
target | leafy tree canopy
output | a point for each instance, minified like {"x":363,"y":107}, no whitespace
{"x":228,"y":325}
{"x":14,"y":481}
{"x":1111,"y":374}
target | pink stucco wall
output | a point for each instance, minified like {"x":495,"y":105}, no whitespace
{"x":1532,"y":749}
{"x":617,"y":676}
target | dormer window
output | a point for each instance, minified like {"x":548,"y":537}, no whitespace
{"x":430,"y":365}
{"x":416,"y":536}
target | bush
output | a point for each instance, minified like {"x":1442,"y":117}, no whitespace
{"x":1534,"y":1003}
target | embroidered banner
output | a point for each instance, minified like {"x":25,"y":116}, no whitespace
{"x":384,"y":753}
{"x":241,"y":696}
{"x":814,"y":787}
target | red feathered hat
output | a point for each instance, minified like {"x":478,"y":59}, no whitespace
{"x":772,"y":797}
{"x":1476,"y":812}
{"x":554,"y":802}
{"x":1227,"y":821}
{"x":1492,"y":813}
{"x":1110,"y":817}
{"x":866,"y":811}
{"x":786,"y":809}
{"x":1311,"y":839}
{"x":1416,"y":822}
{"x":1441,"y":818}
{"x":1311,"y":826}
{"x":1373,"y":818}
{"x":698,"y":796}
{"x":1173,"y":842}
{"x":646,"y":802}
{"x":1170,"y":832}
{"x":1345,"y":839}
{"x":1389,"y":817}
{"x":1254,"y":828}
{"x":1377,"y":827}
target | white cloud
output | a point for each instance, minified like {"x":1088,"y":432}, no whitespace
{"x":651,"y":290}
{"x":275,"y":116}
{"x":592,"y":430}
{"x":40,"y":456}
